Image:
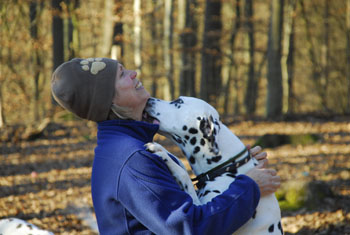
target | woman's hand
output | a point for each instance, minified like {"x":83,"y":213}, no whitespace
{"x":267,"y":179}
{"x":260,"y":156}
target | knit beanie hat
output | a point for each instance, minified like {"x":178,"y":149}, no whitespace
{"x":86,"y":86}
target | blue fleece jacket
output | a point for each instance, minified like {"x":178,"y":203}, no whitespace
{"x":134,"y":193}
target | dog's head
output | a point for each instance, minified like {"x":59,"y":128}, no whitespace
{"x":192,"y":123}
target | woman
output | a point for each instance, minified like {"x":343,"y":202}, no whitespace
{"x":133,"y":191}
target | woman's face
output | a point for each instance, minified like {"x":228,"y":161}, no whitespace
{"x":129,"y":91}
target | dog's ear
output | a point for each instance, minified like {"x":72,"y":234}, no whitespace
{"x":207,"y":127}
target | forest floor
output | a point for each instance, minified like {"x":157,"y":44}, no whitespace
{"x":46,"y":181}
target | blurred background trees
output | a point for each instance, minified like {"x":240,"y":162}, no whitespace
{"x":252,"y":58}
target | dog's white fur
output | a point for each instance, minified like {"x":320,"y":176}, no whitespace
{"x":212,"y":139}
{"x":14,"y":226}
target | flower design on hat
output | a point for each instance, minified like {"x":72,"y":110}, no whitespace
{"x":94,"y":65}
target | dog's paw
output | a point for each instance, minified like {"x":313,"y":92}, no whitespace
{"x":154,"y":147}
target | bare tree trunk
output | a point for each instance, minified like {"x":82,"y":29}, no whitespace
{"x":57,"y":37}
{"x":252,"y":86}
{"x":316,"y":65}
{"x":57,"y":34}
{"x":137,"y":36}
{"x":211,"y":52}
{"x":75,"y":37}
{"x":274,"y":74}
{"x":348,"y":52}
{"x":325,"y":55}
{"x":2,"y":116}
{"x":288,"y":57}
{"x":290,"y":65}
{"x":117,"y":48}
{"x":188,"y":41}
{"x":107,"y":25}
{"x":155,"y":45}
{"x":232,"y":76}
{"x":168,"y":46}
{"x":35,"y":11}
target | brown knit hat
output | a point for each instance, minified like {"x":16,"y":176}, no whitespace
{"x":86,"y":86}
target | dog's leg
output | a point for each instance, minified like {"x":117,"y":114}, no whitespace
{"x":179,"y":172}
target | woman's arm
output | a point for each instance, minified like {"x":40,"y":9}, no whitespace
{"x":149,"y":192}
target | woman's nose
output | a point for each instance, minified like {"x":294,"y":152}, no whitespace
{"x":133,"y":74}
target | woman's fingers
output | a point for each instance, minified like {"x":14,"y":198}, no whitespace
{"x":255,"y":150}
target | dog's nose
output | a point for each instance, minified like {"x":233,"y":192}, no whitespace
{"x":151,"y":102}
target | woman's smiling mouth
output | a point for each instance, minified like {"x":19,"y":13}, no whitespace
{"x":138,"y":85}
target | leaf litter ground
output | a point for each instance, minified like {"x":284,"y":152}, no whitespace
{"x":47,"y":181}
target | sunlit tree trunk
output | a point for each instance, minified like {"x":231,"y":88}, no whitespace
{"x":168,"y":46}
{"x":252,"y":86}
{"x":274,"y":71}
{"x":211,"y":52}
{"x":137,"y":36}
{"x":348,"y":52}
{"x":188,"y":41}
{"x":107,"y":25}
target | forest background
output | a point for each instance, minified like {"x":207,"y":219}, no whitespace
{"x":250,"y":58}
{"x":278,"y":71}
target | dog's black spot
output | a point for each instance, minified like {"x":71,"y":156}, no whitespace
{"x":199,"y":118}
{"x":216,"y":159}
{"x":254,"y":215}
{"x":177,"y":101}
{"x":208,"y":161}
{"x":158,"y":114}
{"x":30,"y":226}
{"x":19,"y":226}
{"x":192,"y":160}
{"x":271,"y":228}
{"x":177,"y":138}
{"x":193,"y":130}
{"x":196,"y":149}
{"x":193,"y":141}
{"x":206,"y":192}
{"x":216,"y":191}
{"x":255,"y":163}
{"x":233,"y":171}
{"x":280,"y":227}
{"x":184,"y":128}
{"x":202,"y":142}
{"x":202,"y":125}
{"x":187,"y":137}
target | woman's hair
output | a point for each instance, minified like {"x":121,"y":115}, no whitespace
{"x":118,"y":112}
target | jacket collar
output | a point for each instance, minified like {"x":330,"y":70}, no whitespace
{"x":142,"y":131}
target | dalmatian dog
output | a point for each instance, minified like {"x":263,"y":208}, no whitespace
{"x":215,"y":154}
{"x":14,"y":226}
